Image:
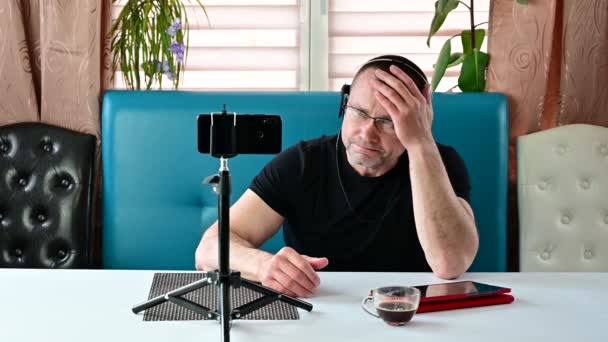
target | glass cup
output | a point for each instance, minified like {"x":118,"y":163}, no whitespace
{"x":396,"y":305}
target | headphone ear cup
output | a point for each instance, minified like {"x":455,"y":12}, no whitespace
{"x":344,"y":93}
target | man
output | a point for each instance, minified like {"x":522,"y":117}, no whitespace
{"x":381,"y":195}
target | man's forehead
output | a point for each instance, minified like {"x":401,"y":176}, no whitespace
{"x":364,"y":77}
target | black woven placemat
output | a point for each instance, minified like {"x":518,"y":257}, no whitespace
{"x":207,"y":296}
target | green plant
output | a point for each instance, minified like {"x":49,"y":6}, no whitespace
{"x":474,"y":61}
{"x":149,"y":38}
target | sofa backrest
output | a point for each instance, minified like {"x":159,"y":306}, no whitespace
{"x":155,"y":207}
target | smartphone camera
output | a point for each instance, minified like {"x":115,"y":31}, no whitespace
{"x":226,"y":134}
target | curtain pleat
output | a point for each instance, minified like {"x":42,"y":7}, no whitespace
{"x":19,"y":101}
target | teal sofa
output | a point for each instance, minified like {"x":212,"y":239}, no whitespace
{"x":155,"y":207}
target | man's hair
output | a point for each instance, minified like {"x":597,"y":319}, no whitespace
{"x":385,"y":61}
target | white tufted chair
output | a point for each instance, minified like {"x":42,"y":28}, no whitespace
{"x":562,"y":183}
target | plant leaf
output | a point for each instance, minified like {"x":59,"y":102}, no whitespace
{"x":466,"y":40}
{"x":455,"y":59}
{"x":522,"y":2}
{"x":473,"y":73}
{"x":442,"y":63}
{"x":442,"y":5}
{"x":442,"y":9}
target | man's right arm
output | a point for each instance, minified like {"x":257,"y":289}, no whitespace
{"x":252,"y":222}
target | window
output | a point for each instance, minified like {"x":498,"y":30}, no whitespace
{"x":251,"y":45}
{"x":309,"y":44}
{"x":361,"y":29}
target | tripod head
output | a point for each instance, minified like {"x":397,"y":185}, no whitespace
{"x":225,"y":134}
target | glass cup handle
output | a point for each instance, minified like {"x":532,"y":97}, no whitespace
{"x":365,"y":306}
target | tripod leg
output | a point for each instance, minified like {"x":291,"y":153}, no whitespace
{"x":177,"y":292}
{"x":192,"y":306}
{"x":279,"y":296}
{"x":252,"y":306}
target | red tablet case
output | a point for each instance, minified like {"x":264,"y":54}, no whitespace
{"x":430,"y":306}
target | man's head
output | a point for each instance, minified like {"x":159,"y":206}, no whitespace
{"x":372,"y":147}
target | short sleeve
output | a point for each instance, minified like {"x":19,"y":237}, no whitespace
{"x":457,"y":172}
{"x":278,"y":182}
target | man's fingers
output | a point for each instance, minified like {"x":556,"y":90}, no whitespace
{"x":428,"y":94}
{"x":317,"y":263}
{"x":407,"y":81}
{"x":291,"y":284}
{"x":299,"y":262}
{"x":296,"y":273}
{"x":275,"y":285}
{"x":390,"y":107}
{"x":292,"y":273}
{"x":392,"y":89}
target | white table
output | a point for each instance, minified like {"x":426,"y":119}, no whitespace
{"x":94,"y":305}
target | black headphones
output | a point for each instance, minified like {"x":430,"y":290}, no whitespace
{"x":405,"y":64}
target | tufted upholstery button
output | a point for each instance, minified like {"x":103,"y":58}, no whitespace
{"x":542,"y":185}
{"x":566,"y":219}
{"x":47,"y":147}
{"x":41,"y":217}
{"x":22,"y":181}
{"x":604,"y":150}
{"x":18,"y":252}
{"x":606,"y":219}
{"x":585,"y":184}
{"x":4,"y":147}
{"x":545,"y":255}
{"x":588,"y":254}
{"x":61,"y":254}
{"x":65,"y":183}
{"x":561,"y":149}
{"x":1,"y":216}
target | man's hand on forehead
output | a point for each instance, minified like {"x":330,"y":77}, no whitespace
{"x":410,"y":110}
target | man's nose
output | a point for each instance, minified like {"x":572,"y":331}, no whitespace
{"x":369,"y":130}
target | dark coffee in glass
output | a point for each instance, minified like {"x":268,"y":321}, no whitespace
{"x":395,"y":305}
{"x":396,"y":312}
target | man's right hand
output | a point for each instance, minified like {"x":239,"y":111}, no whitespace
{"x":291,"y":273}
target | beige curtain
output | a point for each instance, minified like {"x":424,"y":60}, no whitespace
{"x":54,"y":66}
{"x":550,"y":58}
{"x":54,"y":61}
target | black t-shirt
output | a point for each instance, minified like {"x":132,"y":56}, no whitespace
{"x":303,"y":185}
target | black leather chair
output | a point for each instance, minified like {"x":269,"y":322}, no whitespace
{"x":46,"y":193}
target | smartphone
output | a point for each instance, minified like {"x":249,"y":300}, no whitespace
{"x":458,"y":290}
{"x":255,"y":133}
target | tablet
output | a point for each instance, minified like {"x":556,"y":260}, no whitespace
{"x":458,"y":290}
{"x":464,"y":303}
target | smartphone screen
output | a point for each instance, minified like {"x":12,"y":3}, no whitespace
{"x":255,"y":133}
{"x":457,"y":290}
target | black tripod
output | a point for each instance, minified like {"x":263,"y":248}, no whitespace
{"x":223,"y":278}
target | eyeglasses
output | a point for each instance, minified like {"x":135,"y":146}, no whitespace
{"x":360,"y":117}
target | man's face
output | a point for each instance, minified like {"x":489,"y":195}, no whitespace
{"x":372,"y":148}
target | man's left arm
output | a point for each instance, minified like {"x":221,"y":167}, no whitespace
{"x":444,"y":222}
